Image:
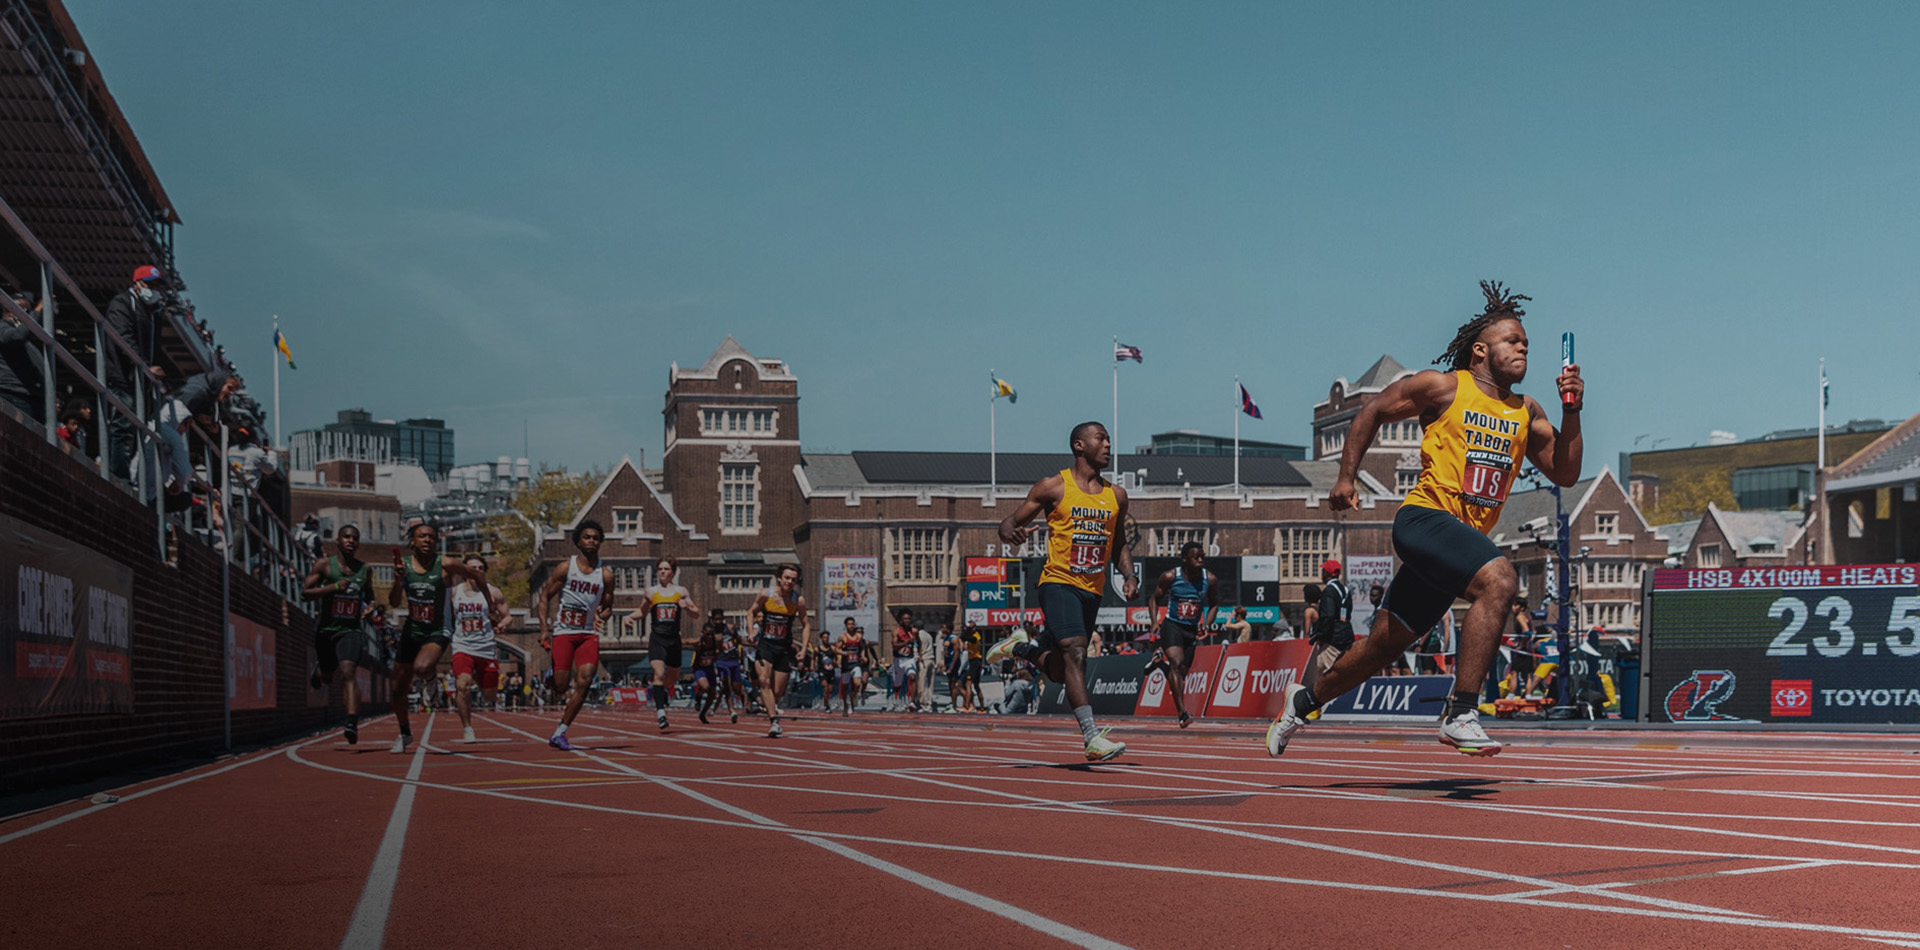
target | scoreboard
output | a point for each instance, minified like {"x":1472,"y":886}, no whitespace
{"x":1815,"y":644}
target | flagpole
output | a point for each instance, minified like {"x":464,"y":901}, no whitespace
{"x":1236,"y":435}
{"x":993,"y":458}
{"x":279,"y":436}
{"x":1114,"y":436}
{"x":1822,"y":463}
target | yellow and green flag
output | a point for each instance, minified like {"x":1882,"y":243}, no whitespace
{"x":280,"y":343}
{"x":1003,"y":388}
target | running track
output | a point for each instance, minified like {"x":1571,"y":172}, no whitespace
{"x":881,"y":831}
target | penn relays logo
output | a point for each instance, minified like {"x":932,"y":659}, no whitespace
{"x":1698,"y":697}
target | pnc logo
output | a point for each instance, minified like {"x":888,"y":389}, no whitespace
{"x":1792,"y":697}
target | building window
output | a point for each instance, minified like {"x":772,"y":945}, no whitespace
{"x":1610,"y":615}
{"x":1332,"y":441}
{"x":1607,"y":523}
{"x":1520,"y":572}
{"x":1168,"y":541}
{"x":919,"y":555}
{"x":382,"y":574}
{"x":1404,"y":480}
{"x":1607,"y":574}
{"x":626,"y":521}
{"x":629,"y":626}
{"x":1301,"y":551}
{"x":739,"y":497}
{"x":742,"y":583}
{"x":1709,"y":555}
{"x":737,"y":422}
{"x":629,"y":578}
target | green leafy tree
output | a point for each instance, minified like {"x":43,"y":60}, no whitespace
{"x":551,"y":500}
{"x":1685,"y":497}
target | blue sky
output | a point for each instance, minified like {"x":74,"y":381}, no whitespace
{"x":504,"y":217}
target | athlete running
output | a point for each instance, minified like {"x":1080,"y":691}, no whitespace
{"x":583,"y":597}
{"x":904,"y":670}
{"x":420,"y":584}
{"x":1190,"y":593}
{"x":705,"y":682}
{"x":1477,"y":432}
{"x":1083,"y":512}
{"x":727,"y":665}
{"x":479,"y":615}
{"x":851,"y":650}
{"x":666,"y":603}
{"x":774,"y":614}
{"x":344,"y":585}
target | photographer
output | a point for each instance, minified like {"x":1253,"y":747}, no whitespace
{"x":133,"y":314}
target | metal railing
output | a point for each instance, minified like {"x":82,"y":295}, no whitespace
{"x":265,"y":546}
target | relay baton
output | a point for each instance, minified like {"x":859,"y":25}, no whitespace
{"x":1566,"y":361}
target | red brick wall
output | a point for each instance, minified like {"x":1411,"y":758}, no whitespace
{"x":177,"y":634}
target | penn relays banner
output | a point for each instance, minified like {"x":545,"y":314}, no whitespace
{"x":65,"y":630}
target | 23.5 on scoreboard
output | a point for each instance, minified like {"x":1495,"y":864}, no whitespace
{"x":1792,"y":644}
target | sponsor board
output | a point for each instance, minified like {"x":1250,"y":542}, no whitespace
{"x":1004,"y":617}
{"x":850,"y":587}
{"x":1157,"y":700}
{"x":1114,"y":684}
{"x":1792,"y":698}
{"x":1392,"y":697}
{"x":1252,"y":677}
{"x":626,"y":696}
{"x":66,"y":630}
{"x":1364,"y":571}
{"x":253,"y":668}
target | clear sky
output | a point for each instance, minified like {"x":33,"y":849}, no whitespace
{"x":507,"y":214}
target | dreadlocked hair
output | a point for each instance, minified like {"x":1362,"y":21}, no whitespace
{"x":1501,"y":305}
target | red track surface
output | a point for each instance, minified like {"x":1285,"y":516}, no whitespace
{"x":978,"y":832}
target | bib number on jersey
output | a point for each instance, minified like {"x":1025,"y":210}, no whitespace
{"x":1087,"y":558}
{"x":666,"y":613}
{"x":475,"y":625}
{"x":423,"y":613}
{"x":573,"y":617}
{"x":777,"y":629}
{"x":344,"y":609}
{"x":1186,"y":611}
{"x":1486,"y":479}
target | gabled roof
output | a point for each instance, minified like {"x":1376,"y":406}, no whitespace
{"x":728,"y":351}
{"x":1678,"y":535}
{"x":626,"y":463}
{"x":1744,"y":529}
{"x":1892,"y":458}
{"x":1384,"y":370}
{"x":1533,"y":504}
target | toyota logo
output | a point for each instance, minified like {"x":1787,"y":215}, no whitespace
{"x":1792,"y":698}
{"x":1231,"y":681}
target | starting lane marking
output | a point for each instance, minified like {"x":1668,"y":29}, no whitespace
{"x":1889,"y":936}
{"x":368,"y":929}
{"x":1032,"y":921}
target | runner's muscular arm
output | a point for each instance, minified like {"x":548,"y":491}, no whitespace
{"x":397,"y":594}
{"x":315,"y":589}
{"x":1405,"y":398}
{"x":548,"y":591}
{"x":502,"y":620}
{"x":1557,"y":454}
{"x":604,"y":612}
{"x":1042,"y":497}
{"x":1122,"y":555}
{"x":755,"y":615}
{"x":1161,"y":589}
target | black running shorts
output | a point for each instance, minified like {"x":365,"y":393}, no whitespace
{"x":665,"y":649}
{"x":1439,"y":556}
{"x":342,"y":646}
{"x":410,"y":643}
{"x":779,"y":653}
{"x":1176,"y":635}
{"x":1070,"y":612}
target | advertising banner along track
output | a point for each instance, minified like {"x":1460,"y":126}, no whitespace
{"x":65,"y":626}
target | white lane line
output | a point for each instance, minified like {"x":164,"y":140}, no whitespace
{"x":1033,"y":921}
{"x":369,"y":927}
{"x":131,"y":796}
{"x":1367,"y":886}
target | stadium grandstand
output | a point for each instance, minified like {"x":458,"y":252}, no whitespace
{"x":143,"y":513}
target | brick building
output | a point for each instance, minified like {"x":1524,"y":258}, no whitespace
{"x":1394,"y":458}
{"x":1612,"y":547}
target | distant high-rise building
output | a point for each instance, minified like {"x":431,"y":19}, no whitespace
{"x":425,"y":442}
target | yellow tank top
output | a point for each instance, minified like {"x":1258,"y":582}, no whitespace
{"x":776,"y":618}
{"x":1471,"y":454}
{"x":1080,"y":536}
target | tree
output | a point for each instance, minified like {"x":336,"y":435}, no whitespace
{"x":1685,"y":497}
{"x":551,"y":500}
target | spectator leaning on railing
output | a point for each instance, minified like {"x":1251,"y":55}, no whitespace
{"x":21,"y":381}
{"x":131,"y":314}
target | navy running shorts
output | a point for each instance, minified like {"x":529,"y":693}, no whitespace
{"x":1439,"y":556}
{"x":1070,"y":612}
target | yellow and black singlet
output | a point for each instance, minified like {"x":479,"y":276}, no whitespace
{"x":776,"y":618}
{"x":1470,"y":456}
{"x":1080,"y":536}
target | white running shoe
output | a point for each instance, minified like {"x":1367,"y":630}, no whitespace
{"x":733,"y":715}
{"x":400,"y":743}
{"x":1287,"y":724}
{"x":1463,"y":732}
{"x":1102,"y":749}
{"x":774,"y":733}
{"x":467,"y":736}
{"x":1004,"y":649}
{"x":663,"y":720}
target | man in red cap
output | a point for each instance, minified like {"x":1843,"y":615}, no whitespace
{"x":1332,"y":632}
{"x":131,"y":314}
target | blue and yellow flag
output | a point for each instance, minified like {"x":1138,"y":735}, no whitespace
{"x":280,"y":343}
{"x":1003,"y":388}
